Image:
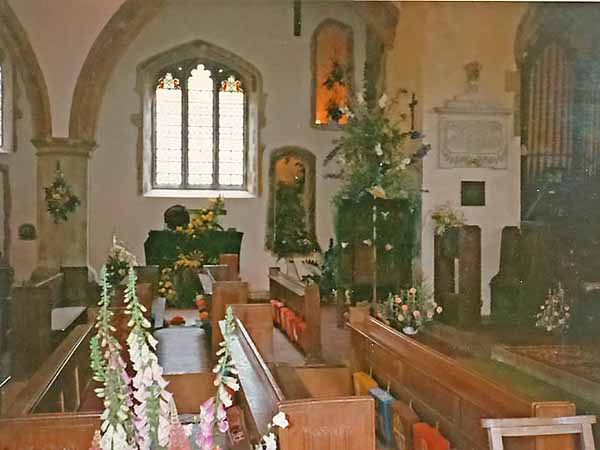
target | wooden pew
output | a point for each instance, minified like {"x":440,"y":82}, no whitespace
{"x":39,"y":321}
{"x":305,"y":301}
{"x":226,"y":289}
{"x":316,"y":423}
{"x":58,"y":407}
{"x":442,"y":389}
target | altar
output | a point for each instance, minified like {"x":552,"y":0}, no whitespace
{"x":162,"y":247}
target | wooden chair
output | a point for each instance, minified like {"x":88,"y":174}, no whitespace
{"x":537,"y":426}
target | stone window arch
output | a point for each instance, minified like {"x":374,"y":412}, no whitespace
{"x":200,"y":122}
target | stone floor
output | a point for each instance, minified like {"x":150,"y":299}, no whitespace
{"x":179,"y":348}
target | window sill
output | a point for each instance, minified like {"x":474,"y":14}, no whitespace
{"x":197,"y":193}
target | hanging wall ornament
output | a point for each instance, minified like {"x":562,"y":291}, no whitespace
{"x":60,"y":200}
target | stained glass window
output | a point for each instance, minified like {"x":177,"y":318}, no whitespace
{"x":231,"y":133}
{"x":200,"y":128}
{"x":168,"y":157}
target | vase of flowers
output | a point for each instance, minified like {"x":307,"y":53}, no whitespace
{"x":409,"y":310}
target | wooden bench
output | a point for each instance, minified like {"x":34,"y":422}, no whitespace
{"x":577,"y":425}
{"x":304,"y":300}
{"x":321,"y":410}
{"x":225,"y":288}
{"x":441,"y":389}
{"x":40,"y":319}
{"x":58,"y":407}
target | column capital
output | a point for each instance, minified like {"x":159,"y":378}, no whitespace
{"x":54,"y":146}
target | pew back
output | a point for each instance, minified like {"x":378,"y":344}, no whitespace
{"x":31,"y":311}
{"x":304,"y":300}
{"x":441,"y":389}
{"x":326,"y":422}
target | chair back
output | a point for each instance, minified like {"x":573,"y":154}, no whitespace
{"x":540,"y":426}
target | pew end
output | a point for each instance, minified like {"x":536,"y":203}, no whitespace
{"x":317,"y":400}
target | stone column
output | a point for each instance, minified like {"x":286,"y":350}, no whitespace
{"x":64,"y":244}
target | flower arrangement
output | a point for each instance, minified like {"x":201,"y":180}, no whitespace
{"x":204,"y":219}
{"x":140,"y":413}
{"x":445,"y":217}
{"x":377,"y":161}
{"x":60,"y":199}
{"x":177,"y":282}
{"x":555,"y":313}
{"x":165,"y":284}
{"x":373,"y":154}
{"x":336,"y":84}
{"x":410,"y":310}
{"x":118,"y":263}
{"x":192,"y":260}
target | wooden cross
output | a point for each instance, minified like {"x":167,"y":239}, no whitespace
{"x":297,"y":17}
{"x":412,"y":105}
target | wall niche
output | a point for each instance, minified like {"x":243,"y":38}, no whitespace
{"x":333,"y":68}
{"x":291,"y":212}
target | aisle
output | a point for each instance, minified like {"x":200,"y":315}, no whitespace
{"x":183,"y":349}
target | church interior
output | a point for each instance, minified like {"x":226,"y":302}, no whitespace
{"x":299,"y":225}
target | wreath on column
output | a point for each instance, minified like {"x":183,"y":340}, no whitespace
{"x":60,"y":199}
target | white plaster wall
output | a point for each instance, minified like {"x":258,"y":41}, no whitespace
{"x":23,"y":184}
{"x":262,"y":34}
{"x":61,"y":33}
{"x":485,"y":33}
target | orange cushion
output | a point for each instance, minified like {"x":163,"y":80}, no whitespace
{"x":427,"y":437}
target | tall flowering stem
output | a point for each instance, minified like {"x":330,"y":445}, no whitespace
{"x":213,"y":412}
{"x":108,"y":367}
{"x":152,"y":410}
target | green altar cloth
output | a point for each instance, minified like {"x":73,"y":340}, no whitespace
{"x":164,"y":246}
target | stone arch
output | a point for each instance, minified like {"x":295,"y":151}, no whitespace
{"x":14,"y":37}
{"x":126,"y":24}
{"x":102,"y":59}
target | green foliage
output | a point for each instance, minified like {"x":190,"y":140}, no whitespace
{"x":396,"y":236}
{"x":380,"y":189}
{"x":374,"y":151}
{"x":289,"y":235}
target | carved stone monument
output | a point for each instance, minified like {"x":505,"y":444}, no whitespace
{"x":473,"y":131}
